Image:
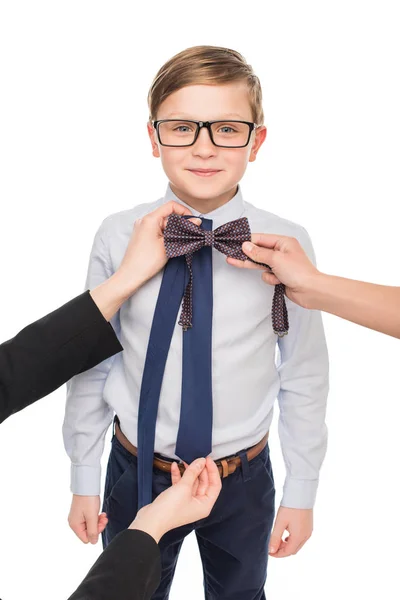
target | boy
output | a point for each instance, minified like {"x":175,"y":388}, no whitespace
{"x":206,"y":124}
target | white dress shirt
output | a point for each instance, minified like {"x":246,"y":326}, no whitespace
{"x":246,"y":375}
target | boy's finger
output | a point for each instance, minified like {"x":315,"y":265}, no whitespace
{"x":276,"y":538}
{"x":287,"y":548}
{"x":101,"y":527}
{"x":92,"y":529}
{"x":280,"y":552}
{"x":80,"y":532}
{"x":102,"y":522}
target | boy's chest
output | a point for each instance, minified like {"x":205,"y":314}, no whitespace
{"x":241,"y":301}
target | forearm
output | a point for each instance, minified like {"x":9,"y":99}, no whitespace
{"x":150,"y":521}
{"x":303,"y":436}
{"x":87,"y":419}
{"x":47,"y":353}
{"x":371,"y":305}
{"x":130,"y":567}
{"x":302,"y":400}
{"x":84,"y":431}
{"x":110,"y":295}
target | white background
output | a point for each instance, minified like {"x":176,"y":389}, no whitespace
{"x":73,"y":149}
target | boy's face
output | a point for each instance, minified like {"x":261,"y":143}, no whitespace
{"x":227,"y":165}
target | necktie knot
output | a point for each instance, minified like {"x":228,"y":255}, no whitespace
{"x":208,"y":238}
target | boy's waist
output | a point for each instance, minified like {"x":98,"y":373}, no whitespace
{"x":226,"y":465}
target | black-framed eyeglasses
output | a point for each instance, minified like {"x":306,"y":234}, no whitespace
{"x":177,"y":133}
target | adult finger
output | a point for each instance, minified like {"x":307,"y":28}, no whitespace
{"x":196,"y":221}
{"x":176,"y":476}
{"x":267,"y":240}
{"x":270,"y":278}
{"x":193,"y":471}
{"x":175,"y":473}
{"x":168,"y":208}
{"x":243,"y":264}
{"x":164,"y":221}
{"x":261,"y":255}
{"x":196,"y":483}
{"x":214,"y":480}
{"x":203,"y":483}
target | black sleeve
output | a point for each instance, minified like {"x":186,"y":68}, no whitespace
{"x":128,"y":569}
{"x":47,"y":353}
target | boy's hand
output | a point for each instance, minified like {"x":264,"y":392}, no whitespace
{"x":299,"y":523}
{"x":145,"y":255}
{"x":84,"y":518}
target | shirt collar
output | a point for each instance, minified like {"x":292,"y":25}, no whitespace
{"x":234,"y":209}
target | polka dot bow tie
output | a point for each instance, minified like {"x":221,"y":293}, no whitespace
{"x":182,"y":237}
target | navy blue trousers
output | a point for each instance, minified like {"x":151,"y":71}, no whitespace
{"x":233,"y":539}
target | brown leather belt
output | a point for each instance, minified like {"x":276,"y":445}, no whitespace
{"x":226,"y":466}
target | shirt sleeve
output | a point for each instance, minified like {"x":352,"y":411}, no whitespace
{"x":304,"y":373}
{"x":128,"y":569}
{"x":48,"y":352}
{"x":87,"y":415}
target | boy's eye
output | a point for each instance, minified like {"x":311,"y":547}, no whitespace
{"x":226,"y":129}
{"x":183,"y":127}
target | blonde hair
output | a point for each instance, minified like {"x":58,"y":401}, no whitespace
{"x":210,"y":65}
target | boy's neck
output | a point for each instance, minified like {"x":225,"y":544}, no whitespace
{"x":207,"y":205}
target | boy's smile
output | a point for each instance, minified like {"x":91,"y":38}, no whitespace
{"x":204,"y":172}
{"x":204,"y":175}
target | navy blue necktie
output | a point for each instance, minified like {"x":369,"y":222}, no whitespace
{"x":195,"y":428}
{"x":195,"y":425}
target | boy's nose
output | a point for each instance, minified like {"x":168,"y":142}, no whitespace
{"x":204,"y":145}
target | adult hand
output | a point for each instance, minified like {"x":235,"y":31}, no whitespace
{"x":288,"y":261}
{"x":299,"y":523}
{"x":145,"y":255}
{"x":190,"y":498}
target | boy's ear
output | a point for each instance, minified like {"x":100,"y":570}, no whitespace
{"x":259,"y":139}
{"x":153,"y":139}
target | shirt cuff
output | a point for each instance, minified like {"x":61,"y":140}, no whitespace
{"x":299,"y":493}
{"x":85,"y":481}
